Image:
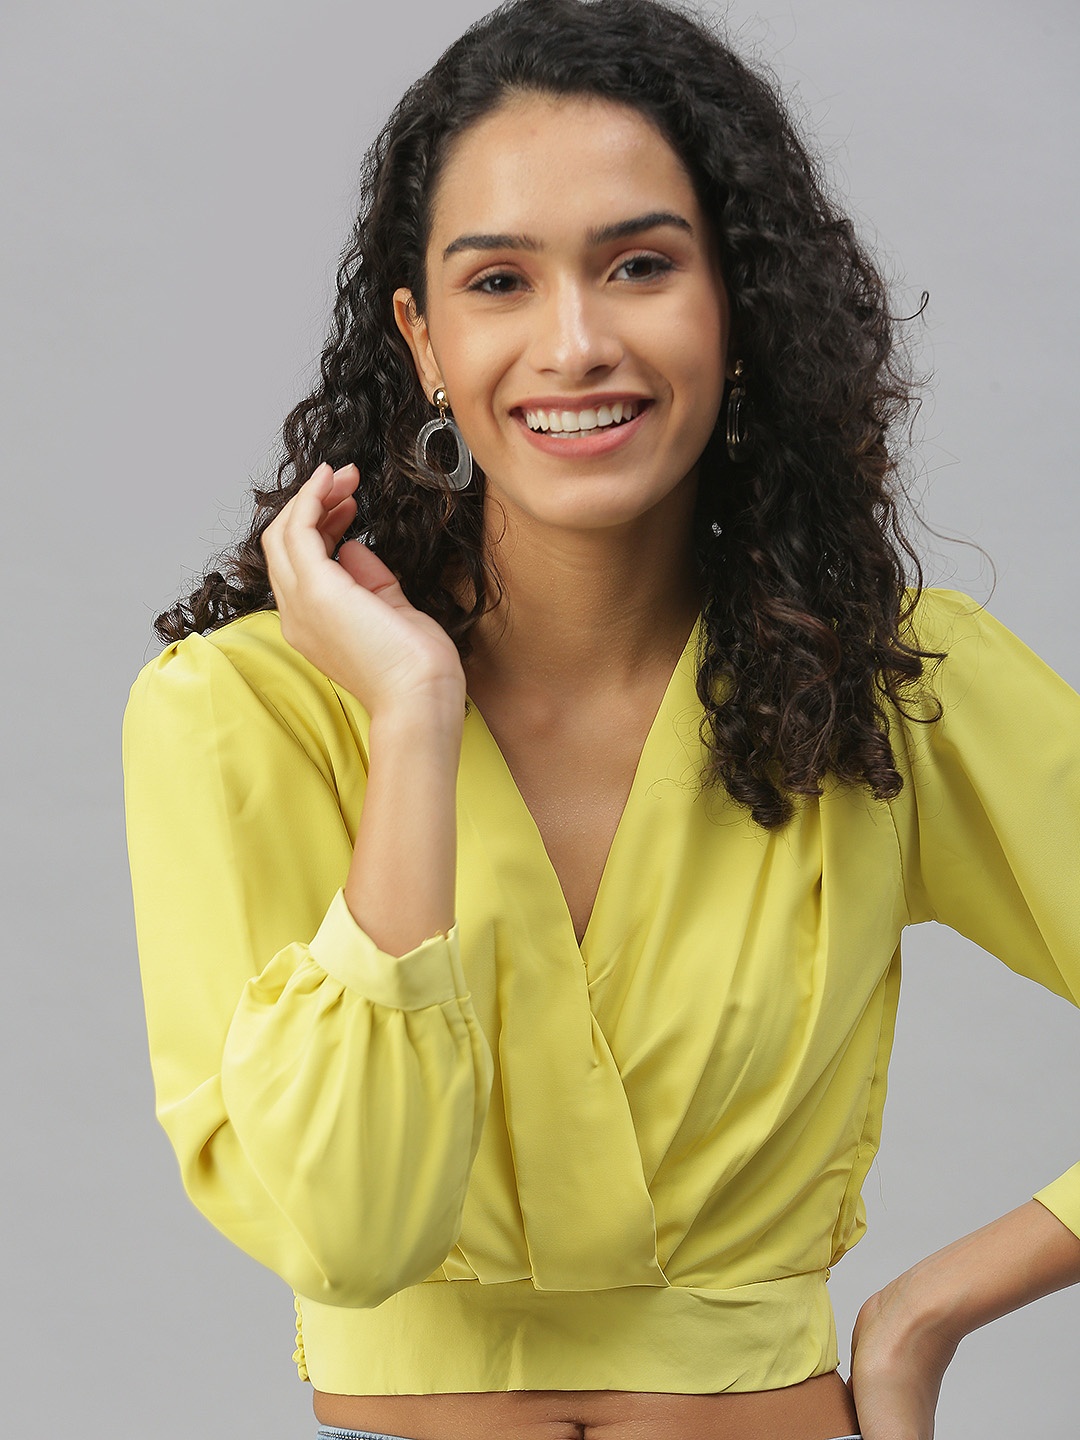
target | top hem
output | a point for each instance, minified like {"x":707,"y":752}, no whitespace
{"x":450,"y":1337}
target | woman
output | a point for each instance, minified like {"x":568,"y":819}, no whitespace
{"x":523,"y":825}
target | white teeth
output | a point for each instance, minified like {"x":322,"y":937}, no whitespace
{"x":570,"y":422}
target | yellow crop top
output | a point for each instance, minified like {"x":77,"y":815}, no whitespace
{"x":503,"y":1162}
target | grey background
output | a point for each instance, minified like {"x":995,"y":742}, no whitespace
{"x":177,"y":181}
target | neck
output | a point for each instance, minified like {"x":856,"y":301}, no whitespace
{"x":588,"y":611}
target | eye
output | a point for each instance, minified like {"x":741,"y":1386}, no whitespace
{"x":495,"y":282}
{"x":644,"y":267}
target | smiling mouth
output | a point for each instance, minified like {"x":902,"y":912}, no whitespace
{"x":578,"y":422}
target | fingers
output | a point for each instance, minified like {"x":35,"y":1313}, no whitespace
{"x":336,"y":522}
{"x":309,"y":527}
{"x":317,"y":499}
{"x":338,"y":510}
{"x":365,"y":567}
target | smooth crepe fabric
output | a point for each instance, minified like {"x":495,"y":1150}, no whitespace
{"x":502,"y":1161}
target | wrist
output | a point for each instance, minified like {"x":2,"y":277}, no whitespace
{"x":914,"y":1316}
{"x":933,"y":1305}
{"x":437,"y":712}
{"x":989,"y":1273}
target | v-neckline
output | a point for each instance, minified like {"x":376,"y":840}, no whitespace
{"x":658,"y":729}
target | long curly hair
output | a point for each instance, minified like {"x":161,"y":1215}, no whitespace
{"x":807,"y":575}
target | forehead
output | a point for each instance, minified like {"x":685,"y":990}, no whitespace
{"x":557,"y":164}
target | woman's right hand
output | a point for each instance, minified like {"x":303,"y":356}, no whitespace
{"x":349,"y":617}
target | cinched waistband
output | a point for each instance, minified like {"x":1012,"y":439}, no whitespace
{"x":462,"y":1336}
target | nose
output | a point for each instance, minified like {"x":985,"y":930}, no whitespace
{"x":575,"y":335}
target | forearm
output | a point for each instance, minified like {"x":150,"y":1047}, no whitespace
{"x":401,"y":883}
{"x":906,"y":1335}
{"x":1018,"y":1258}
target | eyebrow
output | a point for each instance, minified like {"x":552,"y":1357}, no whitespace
{"x":597,"y":235}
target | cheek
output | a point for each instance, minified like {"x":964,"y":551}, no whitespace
{"x":472,"y":366}
{"x":699,"y":364}
{"x":461,"y":350}
{"x":690,"y":339}
{"x":473,"y":371}
{"x":711,"y":323}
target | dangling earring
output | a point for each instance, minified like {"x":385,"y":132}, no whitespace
{"x":738,"y":418}
{"x":461,"y":475}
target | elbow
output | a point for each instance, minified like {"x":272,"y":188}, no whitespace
{"x":365,"y":1277}
{"x":323,"y":1254}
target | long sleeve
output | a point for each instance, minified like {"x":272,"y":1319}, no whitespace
{"x":324,"y":1098}
{"x":990,"y":821}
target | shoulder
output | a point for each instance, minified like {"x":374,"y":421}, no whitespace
{"x":248,"y":652}
{"x":971,"y":640}
{"x":938,"y":618}
{"x":985,"y":674}
{"x":243,"y":673}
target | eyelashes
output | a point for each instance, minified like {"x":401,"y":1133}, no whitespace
{"x":496,"y":282}
{"x":658,"y":265}
{"x":509,"y":282}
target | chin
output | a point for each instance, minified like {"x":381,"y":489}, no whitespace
{"x":593,"y":513}
{"x":583,"y":501}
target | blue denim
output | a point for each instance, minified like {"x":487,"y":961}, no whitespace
{"x":332,"y":1432}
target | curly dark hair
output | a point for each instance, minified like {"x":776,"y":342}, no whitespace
{"x":807,"y":575}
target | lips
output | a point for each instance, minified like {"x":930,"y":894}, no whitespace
{"x":586,"y":427}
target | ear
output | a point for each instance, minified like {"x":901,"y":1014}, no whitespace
{"x":414,"y":328}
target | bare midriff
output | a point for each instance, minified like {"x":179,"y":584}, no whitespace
{"x":817,"y":1409}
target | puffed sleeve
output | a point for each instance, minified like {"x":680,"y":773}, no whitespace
{"x":989,"y":822}
{"x":324,"y":1098}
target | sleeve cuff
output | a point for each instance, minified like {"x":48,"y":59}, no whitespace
{"x":1062,"y":1198}
{"x":429,"y":974}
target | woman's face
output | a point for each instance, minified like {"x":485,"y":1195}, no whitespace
{"x":575,"y":314}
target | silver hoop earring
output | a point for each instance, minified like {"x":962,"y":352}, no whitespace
{"x":738,"y":419}
{"x":461,"y":475}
